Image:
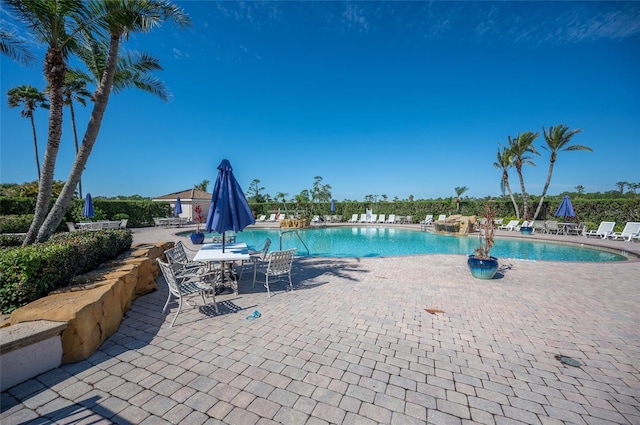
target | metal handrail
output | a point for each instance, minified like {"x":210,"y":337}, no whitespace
{"x":297,"y":234}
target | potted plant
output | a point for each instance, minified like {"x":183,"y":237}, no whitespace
{"x":481,"y":264}
{"x":197,"y":237}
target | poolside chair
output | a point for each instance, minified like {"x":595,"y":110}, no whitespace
{"x":272,"y":217}
{"x":354,"y":218}
{"x":279,"y":264}
{"x":630,"y":229}
{"x":382,"y":218}
{"x":428,"y":220}
{"x":182,"y":286}
{"x":408,"y":219}
{"x":262,"y":217}
{"x":538,"y":226}
{"x":604,"y":230}
{"x":363,"y":218}
{"x":71,"y":227}
{"x":552,"y":227}
{"x":511,"y":226}
{"x":258,"y":255}
{"x":123,"y":223}
{"x":498,"y":222}
{"x":391,"y":219}
{"x":373,"y":218}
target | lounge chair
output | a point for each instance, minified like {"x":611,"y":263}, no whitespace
{"x":428,"y":220}
{"x":373,"y":218}
{"x":604,"y":230}
{"x":262,"y":217}
{"x":408,"y":220}
{"x":511,"y":226}
{"x":552,"y":227}
{"x":382,"y":218}
{"x":498,"y":222}
{"x":442,"y":217}
{"x":630,"y":229}
{"x":71,"y":227}
{"x":354,"y":218}
{"x":538,"y":226}
{"x":363,"y":218}
{"x":272,"y":217}
{"x":391,"y":219}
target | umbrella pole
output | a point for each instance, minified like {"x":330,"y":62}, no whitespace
{"x":222,"y":241}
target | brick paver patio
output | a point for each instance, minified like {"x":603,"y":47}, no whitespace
{"x":353,"y":344}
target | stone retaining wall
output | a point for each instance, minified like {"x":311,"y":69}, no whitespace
{"x":93,"y":307}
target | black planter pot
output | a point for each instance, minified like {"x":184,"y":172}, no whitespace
{"x":481,"y":268}
{"x":197,"y":238}
{"x":526,"y":230}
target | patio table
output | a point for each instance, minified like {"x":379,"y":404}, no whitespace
{"x":567,"y":227}
{"x":212,"y":252}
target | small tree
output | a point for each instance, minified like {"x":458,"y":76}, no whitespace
{"x":487,"y":231}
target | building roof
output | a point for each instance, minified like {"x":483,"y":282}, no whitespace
{"x":185,"y":194}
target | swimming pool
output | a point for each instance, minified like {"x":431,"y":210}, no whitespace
{"x":386,"y":242}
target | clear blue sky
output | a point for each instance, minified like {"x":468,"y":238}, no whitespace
{"x":393,"y":98}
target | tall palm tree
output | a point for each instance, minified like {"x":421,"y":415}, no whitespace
{"x":75,"y":89}
{"x":29,"y":98}
{"x":558,"y":139}
{"x":504,"y":162}
{"x":119,"y":18}
{"x":459,"y":191}
{"x":55,"y":24}
{"x":520,"y":147}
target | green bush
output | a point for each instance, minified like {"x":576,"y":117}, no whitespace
{"x":29,"y":273}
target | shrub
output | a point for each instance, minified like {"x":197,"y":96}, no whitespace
{"x":29,"y":273}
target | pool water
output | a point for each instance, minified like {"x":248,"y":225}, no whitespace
{"x":386,"y":242}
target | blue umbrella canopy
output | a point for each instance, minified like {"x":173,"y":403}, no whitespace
{"x":87,"y":210}
{"x":333,"y":205}
{"x":229,"y":208}
{"x":178,"y":208}
{"x":565,"y":209}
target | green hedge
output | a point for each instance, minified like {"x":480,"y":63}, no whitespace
{"x":17,"y":213}
{"x":619,"y":210}
{"x":29,"y":273}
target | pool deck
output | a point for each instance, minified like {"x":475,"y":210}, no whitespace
{"x":353,"y":344}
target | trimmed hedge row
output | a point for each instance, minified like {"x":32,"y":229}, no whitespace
{"x":29,"y":273}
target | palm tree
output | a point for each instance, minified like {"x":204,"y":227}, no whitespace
{"x":283,"y":196}
{"x":519,"y":148}
{"x":557,"y":139}
{"x":15,"y":47}
{"x":504,"y":162}
{"x":459,"y":191}
{"x":119,"y":18}
{"x":55,"y":23}
{"x":30,"y":98}
{"x":75,"y":88}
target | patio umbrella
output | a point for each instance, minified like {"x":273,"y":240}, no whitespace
{"x":87,"y":210}
{"x":333,"y":205}
{"x":178,"y":207}
{"x":229,"y":208}
{"x":565,"y":209}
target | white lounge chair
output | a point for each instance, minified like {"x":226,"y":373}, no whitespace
{"x":382,"y":218}
{"x":262,"y":217}
{"x":630,"y":229}
{"x":272,"y":217}
{"x":604,"y":230}
{"x":363,"y":218}
{"x":442,"y":217}
{"x":538,"y":226}
{"x":552,"y":227}
{"x":511,"y":226}
{"x":391,"y":219}
{"x":428,"y":220}
{"x":373,"y":218}
{"x":354,"y":218}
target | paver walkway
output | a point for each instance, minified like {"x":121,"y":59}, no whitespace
{"x":353,"y":344}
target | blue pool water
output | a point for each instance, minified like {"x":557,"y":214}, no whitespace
{"x":386,"y":242}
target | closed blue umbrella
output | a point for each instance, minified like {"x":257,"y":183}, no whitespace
{"x":87,"y":210}
{"x":333,"y":205}
{"x":178,"y":207}
{"x":229,"y":208}
{"x":565,"y":209}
